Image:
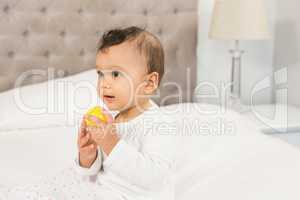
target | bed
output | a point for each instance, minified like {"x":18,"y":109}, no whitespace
{"x":223,"y":155}
{"x":39,"y":120}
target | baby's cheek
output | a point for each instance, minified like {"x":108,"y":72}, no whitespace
{"x":125,"y":92}
{"x":124,"y":101}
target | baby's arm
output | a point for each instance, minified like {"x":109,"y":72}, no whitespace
{"x":89,"y":157}
{"x":148,"y":167}
{"x":93,"y":169}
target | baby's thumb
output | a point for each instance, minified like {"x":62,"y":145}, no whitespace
{"x":108,"y":115}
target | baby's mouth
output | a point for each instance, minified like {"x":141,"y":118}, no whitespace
{"x":109,"y":98}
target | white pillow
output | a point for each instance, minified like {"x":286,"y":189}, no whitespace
{"x":58,"y":102}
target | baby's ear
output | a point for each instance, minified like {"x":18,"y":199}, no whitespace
{"x":151,"y":82}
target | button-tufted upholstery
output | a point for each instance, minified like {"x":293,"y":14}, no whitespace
{"x":63,"y":34}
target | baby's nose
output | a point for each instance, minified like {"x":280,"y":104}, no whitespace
{"x":106,"y":86}
{"x":105,"y":83}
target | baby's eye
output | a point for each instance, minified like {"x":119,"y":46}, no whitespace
{"x":115,"y":74}
{"x":100,"y":74}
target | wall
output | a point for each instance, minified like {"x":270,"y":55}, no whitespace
{"x":287,"y":46}
{"x":214,"y":61}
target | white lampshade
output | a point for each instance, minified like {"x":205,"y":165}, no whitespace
{"x":239,"y":20}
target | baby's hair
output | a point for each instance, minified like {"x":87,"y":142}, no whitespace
{"x":147,"y":43}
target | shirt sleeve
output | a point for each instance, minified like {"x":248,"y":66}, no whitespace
{"x":94,"y":169}
{"x":148,"y":166}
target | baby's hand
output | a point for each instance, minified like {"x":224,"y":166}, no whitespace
{"x":86,"y":146}
{"x":104,"y":134}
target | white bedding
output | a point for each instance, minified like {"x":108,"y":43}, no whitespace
{"x":250,"y":166}
{"x":31,"y":154}
{"x":240,"y":163}
{"x":245,"y":165}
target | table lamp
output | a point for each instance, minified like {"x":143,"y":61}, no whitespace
{"x":238,"y":20}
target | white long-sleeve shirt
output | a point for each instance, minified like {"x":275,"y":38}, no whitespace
{"x":140,"y":166}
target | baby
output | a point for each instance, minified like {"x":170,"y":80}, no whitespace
{"x":132,"y":157}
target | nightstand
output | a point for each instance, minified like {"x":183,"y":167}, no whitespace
{"x":282,"y":121}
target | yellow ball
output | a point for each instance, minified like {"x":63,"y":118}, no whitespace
{"x":98,"y":113}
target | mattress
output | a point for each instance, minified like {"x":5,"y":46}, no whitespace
{"x":222,"y":155}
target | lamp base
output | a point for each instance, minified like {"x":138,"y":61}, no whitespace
{"x":236,"y":104}
{"x":235,"y":90}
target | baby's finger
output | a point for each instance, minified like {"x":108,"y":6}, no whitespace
{"x":83,"y":123}
{"x":82,"y":130}
{"x":88,"y":149}
{"x":84,"y":140}
{"x":99,"y":129}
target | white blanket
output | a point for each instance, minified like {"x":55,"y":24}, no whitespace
{"x":222,"y":155}
{"x":242,"y":165}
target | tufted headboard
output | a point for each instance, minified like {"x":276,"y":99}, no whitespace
{"x":63,"y":35}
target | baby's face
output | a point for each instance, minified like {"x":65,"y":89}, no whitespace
{"x":121,"y":76}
